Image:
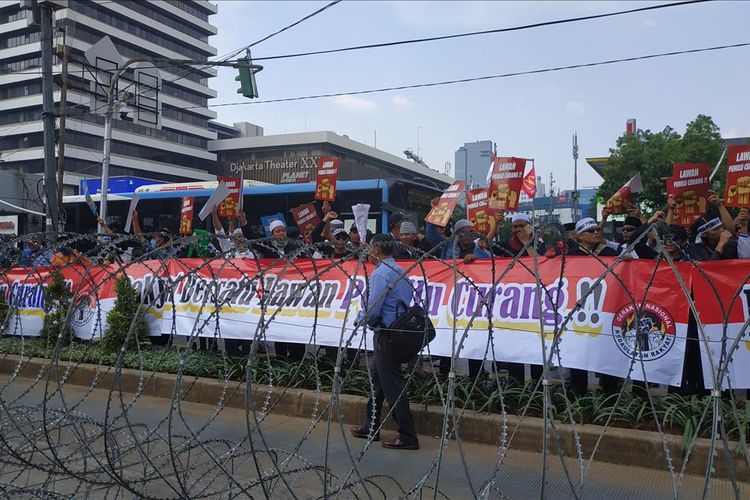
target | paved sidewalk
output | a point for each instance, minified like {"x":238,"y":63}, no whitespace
{"x":204,"y":468}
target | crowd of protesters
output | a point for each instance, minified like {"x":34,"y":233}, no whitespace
{"x":714,"y":235}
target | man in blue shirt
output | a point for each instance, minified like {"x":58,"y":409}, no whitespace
{"x":389,"y":295}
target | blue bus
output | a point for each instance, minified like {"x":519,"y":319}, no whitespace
{"x":159,"y":205}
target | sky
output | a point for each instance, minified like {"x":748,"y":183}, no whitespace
{"x":531,"y":116}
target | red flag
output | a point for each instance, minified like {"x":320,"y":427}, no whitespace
{"x":622,"y":201}
{"x":529,"y":183}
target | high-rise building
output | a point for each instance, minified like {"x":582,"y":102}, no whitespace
{"x":162,"y":129}
{"x":472,"y":160}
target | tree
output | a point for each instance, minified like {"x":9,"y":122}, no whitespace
{"x":652,"y":154}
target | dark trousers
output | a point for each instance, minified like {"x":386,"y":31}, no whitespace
{"x":389,"y":384}
{"x":289,"y":351}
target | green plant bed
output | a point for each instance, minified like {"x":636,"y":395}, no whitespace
{"x":676,"y":414}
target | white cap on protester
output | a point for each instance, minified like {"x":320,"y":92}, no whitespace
{"x":585,"y":224}
{"x":460,"y":224}
{"x":408,"y":228}
{"x":274,"y":224}
{"x":337,"y":224}
{"x":520,"y":217}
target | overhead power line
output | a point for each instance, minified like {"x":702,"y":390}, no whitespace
{"x":312,"y":14}
{"x":484,"y":32}
{"x":487,"y":77}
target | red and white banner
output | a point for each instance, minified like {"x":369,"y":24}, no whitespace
{"x":505,"y":183}
{"x":612,"y":332}
{"x":440,"y":213}
{"x":737,"y":192}
{"x":689,"y":186}
{"x":230,"y":205}
{"x":478,"y":211}
{"x":722,"y":289}
{"x":186,"y":215}
{"x":325,"y":179}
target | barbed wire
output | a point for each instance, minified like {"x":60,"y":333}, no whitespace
{"x":77,"y":419}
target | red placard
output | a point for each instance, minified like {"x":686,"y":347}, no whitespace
{"x":306,"y":217}
{"x":230,"y":205}
{"x":325,"y":179}
{"x":441,"y":211}
{"x":505,"y":183}
{"x":478,"y":211}
{"x":689,"y":187}
{"x":186,"y":215}
{"x":737,"y":193}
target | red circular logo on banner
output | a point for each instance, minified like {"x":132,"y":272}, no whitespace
{"x":646,"y":331}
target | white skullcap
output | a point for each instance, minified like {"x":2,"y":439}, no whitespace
{"x":520,"y":217}
{"x":585,"y":224}
{"x":274,"y":224}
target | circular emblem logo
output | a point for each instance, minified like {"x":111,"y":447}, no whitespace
{"x":83,"y":312}
{"x":648,"y":333}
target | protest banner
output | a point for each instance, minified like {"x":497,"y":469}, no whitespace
{"x":186,"y":215}
{"x":478,"y":211}
{"x":737,"y":192}
{"x":306,"y":217}
{"x":720,"y":291}
{"x":443,"y":207}
{"x":622,"y":202}
{"x":689,"y":187}
{"x":620,"y":327}
{"x":230,"y":205}
{"x":505,"y":183}
{"x":325,"y":179}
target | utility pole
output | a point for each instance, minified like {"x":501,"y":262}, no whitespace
{"x":48,"y":113}
{"x":575,"y":177}
{"x":62,"y":53}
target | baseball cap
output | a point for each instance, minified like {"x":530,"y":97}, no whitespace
{"x":408,"y":227}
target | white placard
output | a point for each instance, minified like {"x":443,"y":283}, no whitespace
{"x":221,"y":192}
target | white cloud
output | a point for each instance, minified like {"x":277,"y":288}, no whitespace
{"x":401,"y":101}
{"x":575,"y":108}
{"x":354,"y":103}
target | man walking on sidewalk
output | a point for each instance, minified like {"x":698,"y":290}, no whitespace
{"x":389,"y":295}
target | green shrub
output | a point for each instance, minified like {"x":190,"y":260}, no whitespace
{"x":119,"y":319}
{"x":56,"y":305}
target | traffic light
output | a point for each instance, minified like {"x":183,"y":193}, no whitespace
{"x":246,"y":78}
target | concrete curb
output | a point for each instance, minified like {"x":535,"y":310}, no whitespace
{"x":619,"y":446}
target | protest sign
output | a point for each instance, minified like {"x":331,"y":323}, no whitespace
{"x":325,"y":180}
{"x":441,"y":211}
{"x":505,"y":183}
